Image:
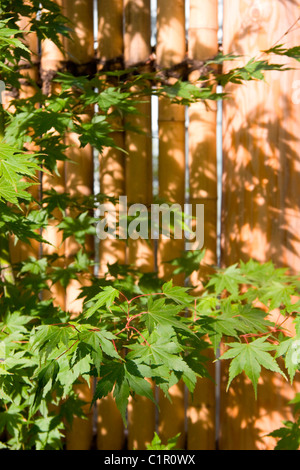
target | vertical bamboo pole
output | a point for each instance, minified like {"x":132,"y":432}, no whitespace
{"x":202,"y":45}
{"x":110,"y":429}
{"x":20,"y":251}
{"x":260,"y":185}
{"x":79,"y":182}
{"x":51,"y":61}
{"x":171,"y":50}
{"x":137,"y":49}
{"x":79,"y":169}
{"x":112,"y":161}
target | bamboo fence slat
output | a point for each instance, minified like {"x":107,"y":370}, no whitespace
{"x":202,"y":137}
{"x":112,"y":161}
{"x":110,"y":429}
{"x":170,"y":50}
{"x":20,"y":251}
{"x":110,"y":30}
{"x":79,"y":168}
{"x":78,"y":174}
{"x":260,"y":206}
{"x":137,"y":49}
{"x":51,"y":61}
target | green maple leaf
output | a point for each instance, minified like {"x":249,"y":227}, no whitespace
{"x":276,"y":294}
{"x":105,"y":297}
{"x":188,"y":262}
{"x":81,"y":362}
{"x":49,"y":337}
{"x":47,"y":375}
{"x":7,"y":36}
{"x":261,"y":273}
{"x":165,"y":352}
{"x":156,"y":443}
{"x":131,"y":381}
{"x":279,"y":49}
{"x":34,"y":266}
{"x":164,"y":314}
{"x":11,"y":193}
{"x":206,"y":304}
{"x":249,"y":357}
{"x":111,"y":97}
{"x":11,"y":419}
{"x":124,"y":379}
{"x":222,"y":326}
{"x":252,"y":319}
{"x":14,"y":322}
{"x":105,"y":339}
{"x":137,"y":382}
{"x":121,"y":395}
{"x":15,"y":164}
{"x":289,"y":348}
{"x":79,"y":227}
{"x":289,"y":436}
{"x":177,"y":293}
{"x":110,"y":374}
{"x":228,"y":279}
{"x":92,"y":340}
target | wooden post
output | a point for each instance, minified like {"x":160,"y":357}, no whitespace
{"x":110,"y":429}
{"x":79,"y":182}
{"x":20,"y":251}
{"x":137,"y":49}
{"x":171,"y":50}
{"x":112,"y":161}
{"x":51,"y":61}
{"x":260,"y":185}
{"x":78,"y":175}
{"x":79,"y":169}
{"x":202,"y":45}
{"x":110,"y":31}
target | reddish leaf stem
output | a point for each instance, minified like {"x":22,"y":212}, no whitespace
{"x":132,"y":328}
{"x":145,"y":295}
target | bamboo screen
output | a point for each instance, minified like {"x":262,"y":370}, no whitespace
{"x":260,"y":203}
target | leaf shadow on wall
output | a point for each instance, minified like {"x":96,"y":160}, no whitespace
{"x":260,"y":220}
